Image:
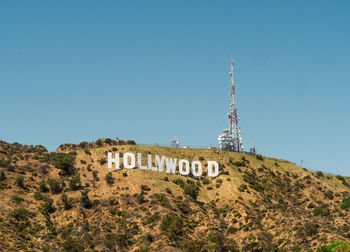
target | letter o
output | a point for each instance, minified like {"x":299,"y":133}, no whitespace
{"x":128,"y":165}
{"x":194,"y":164}
{"x":187,"y":166}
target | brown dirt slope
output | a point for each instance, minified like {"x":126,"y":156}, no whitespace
{"x":68,"y":201}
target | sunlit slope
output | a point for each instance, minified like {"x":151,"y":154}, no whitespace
{"x":71,"y":200}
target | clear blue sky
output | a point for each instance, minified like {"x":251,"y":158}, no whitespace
{"x":72,"y":71}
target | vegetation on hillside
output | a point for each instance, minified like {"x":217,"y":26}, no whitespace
{"x":69,"y":201}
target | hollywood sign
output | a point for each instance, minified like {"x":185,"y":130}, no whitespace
{"x":169,"y":164}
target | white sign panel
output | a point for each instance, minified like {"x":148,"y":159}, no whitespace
{"x":169,"y":164}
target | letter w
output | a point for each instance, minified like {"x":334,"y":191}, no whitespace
{"x":170,"y":165}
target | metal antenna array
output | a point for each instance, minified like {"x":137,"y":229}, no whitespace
{"x":175,"y":143}
{"x":231,"y":138}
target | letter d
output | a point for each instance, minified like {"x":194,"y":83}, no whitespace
{"x":212,"y":173}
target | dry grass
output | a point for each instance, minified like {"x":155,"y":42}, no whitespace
{"x":270,"y":213}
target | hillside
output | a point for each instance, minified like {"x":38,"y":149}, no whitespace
{"x":68,"y":201}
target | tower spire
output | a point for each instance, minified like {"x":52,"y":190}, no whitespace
{"x":231,"y":138}
{"x":232,"y":78}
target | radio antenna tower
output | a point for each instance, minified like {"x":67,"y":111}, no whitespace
{"x":231,"y":138}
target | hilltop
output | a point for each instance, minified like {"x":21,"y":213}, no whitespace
{"x":69,"y":200}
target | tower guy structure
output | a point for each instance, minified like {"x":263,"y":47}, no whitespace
{"x":231,"y":138}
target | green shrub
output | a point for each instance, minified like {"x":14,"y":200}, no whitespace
{"x":21,"y":214}
{"x":319,"y":174}
{"x":75,"y":182}
{"x":125,"y":174}
{"x":219,"y":243}
{"x":152,"y":218}
{"x":4,"y":186}
{"x":38,"y":196}
{"x":83,"y":144}
{"x":122,"y":240}
{"x":253,"y":182}
{"x":191,"y":246}
{"x":191,"y":190}
{"x":5,"y":163}
{"x":20,"y":181}
{"x":43,"y":169}
{"x":67,"y":202}
{"x":162,"y":199}
{"x":345,"y":183}
{"x":55,"y":187}
{"x":112,"y":211}
{"x":239,"y":164}
{"x":345,"y":203}
{"x":72,"y":244}
{"x":335,"y":246}
{"x":206,"y":181}
{"x":20,"y":217}
{"x":102,"y":161}
{"x":166,"y":179}
{"x":183,"y":206}
{"x":225,"y":173}
{"x":17,"y":199}
{"x":84,"y":199}
{"x":2,"y":176}
{"x":242,"y":187}
{"x":99,"y":142}
{"x":168,"y":190}
{"x":179,"y":182}
{"x":148,"y":237}
{"x":329,"y":194}
{"x":172,"y":225}
{"x":259,"y":157}
{"x":140,"y":198}
{"x":131,"y":142}
{"x":64,"y":162}
{"x":109,"y":179}
{"x":311,"y":205}
{"x":87,"y":152}
{"x":47,"y":207}
{"x":42,"y":187}
{"x":310,"y":229}
{"x":341,"y":178}
{"x":231,"y":230}
{"x":323,"y":211}
{"x":94,"y":174}
{"x":145,"y":188}
{"x":307,"y":230}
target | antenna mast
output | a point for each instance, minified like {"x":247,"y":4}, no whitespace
{"x":231,"y":138}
